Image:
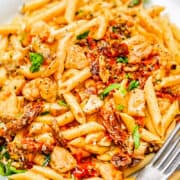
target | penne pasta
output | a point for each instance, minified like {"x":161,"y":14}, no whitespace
{"x":152,"y":104}
{"x":170,"y":81}
{"x":61,"y":120}
{"x":75,"y":108}
{"x":61,"y":53}
{"x":74,"y":81}
{"x":70,"y":10}
{"x":33,"y":5}
{"x":169,"y":116}
{"x":27,"y":176}
{"x":47,"y":172}
{"x":49,"y":14}
{"x":81,"y":130}
{"x":9,"y":29}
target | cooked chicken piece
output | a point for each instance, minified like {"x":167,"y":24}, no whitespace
{"x":42,"y":30}
{"x":54,"y":108}
{"x":103,"y":71}
{"x":139,"y":49}
{"x":38,"y":128}
{"x":62,"y":160}
{"x":40,"y":87}
{"x":31,"y":90}
{"x":108,"y":172}
{"x":136,"y":104}
{"x":15,"y":84}
{"x":93,"y":104}
{"x":48,"y":89}
{"x":76,"y":58}
{"x":8,"y":104}
{"x":45,"y":138}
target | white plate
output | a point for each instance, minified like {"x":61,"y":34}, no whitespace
{"x":8,"y":8}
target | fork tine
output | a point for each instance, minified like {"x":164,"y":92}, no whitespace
{"x":167,"y":154}
{"x":171,"y":159}
{"x":165,"y":144}
{"x":173,"y":167}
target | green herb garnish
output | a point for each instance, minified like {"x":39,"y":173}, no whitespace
{"x":134,"y":3}
{"x":122,"y":90}
{"x":120,"y":107}
{"x":114,"y":29}
{"x":2,"y":173}
{"x":146,"y":1}
{"x":122,"y":60}
{"x":133,"y":84}
{"x":47,"y":160}
{"x":45,"y":113}
{"x":108,"y":89}
{"x":7,"y":169}
{"x":111,"y":87}
{"x":62,"y":103}
{"x":83,"y":35}
{"x":36,"y":61}
{"x":136,"y":136}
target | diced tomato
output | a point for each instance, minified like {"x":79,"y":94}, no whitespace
{"x":140,"y":121}
{"x":166,"y":95}
{"x":84,"y":170}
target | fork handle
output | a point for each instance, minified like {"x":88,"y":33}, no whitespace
{"x":150,"y":173}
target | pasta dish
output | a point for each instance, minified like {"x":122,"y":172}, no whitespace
{"x":89,"y":90}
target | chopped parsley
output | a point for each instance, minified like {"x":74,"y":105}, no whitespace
{"x":134,"y":3}
{"x":122,"y":60}
{"x":47,"y":160}
{"x":5,"y":163}
{"x":114,"y":29}
{"x":120,"y":107}
{"x":62,"y":103}
{"x":111,"y":87}
{"x":108,"y":89}
{"x":122,"y":90}
{"x":45,"y":113}
{"x":7,"y":169}
{"x":36,"y":61}
{"x":83,"y":35}
{"x":136,"y":136}
{"x":4,"y":153}
{"x":133,"y":84}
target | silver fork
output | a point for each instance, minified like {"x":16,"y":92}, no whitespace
{"x":166,"y":160}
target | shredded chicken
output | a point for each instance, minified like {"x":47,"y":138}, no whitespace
{"x":8,"y":104}
{"x":93,"y":104}
{"x":136,"y":104}
{"x":103,"y":71}
{"x":139,"y":49}
{"x":108,"y":172}
{"x":44,"y":88}
{"x":76,"y":58}
{"x":62,"y":160}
